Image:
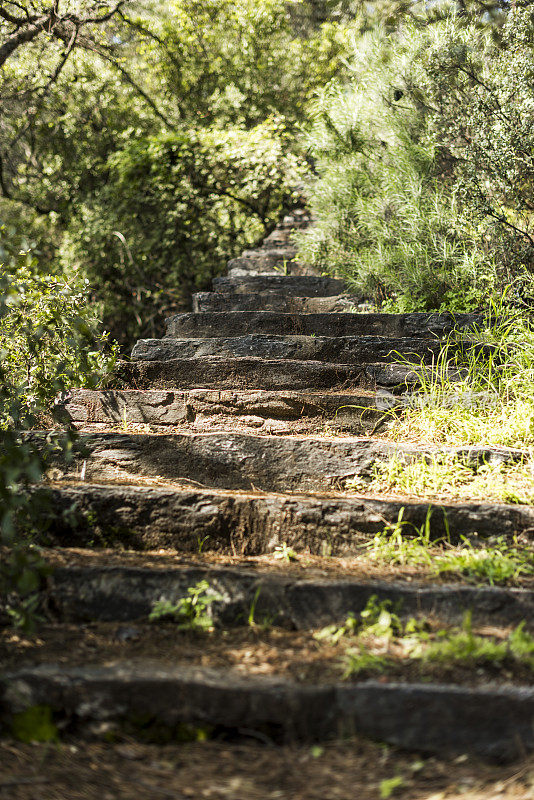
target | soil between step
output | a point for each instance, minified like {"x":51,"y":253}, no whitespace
{"x":239,"y":768}
{"x":243,"y":323}
{"x":249,"y":652}
{"x":144,"y":518}
{"x":492,"y":722}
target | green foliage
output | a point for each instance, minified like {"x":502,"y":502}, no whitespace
{"x":391,"y":786}
{"x":48,"y":343}
{"x":238,"y":62}
{"x":285,"y":553}
{"x":173,"y":209}
{"x":191,"y":613}
{"x":423,"y":192}
{"x":49,"y":338}
{"x":375,"y":646}
{"x":479,"y":93}
{"x":35,"y":724}
{"x":477,"y":398}
{"x":465,"y":647}
{"x":376,"y":619}
{"x":495,"y":562}
{"x":361,"y":660}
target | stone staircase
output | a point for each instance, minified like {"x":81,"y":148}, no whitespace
{"x":222,"y":454}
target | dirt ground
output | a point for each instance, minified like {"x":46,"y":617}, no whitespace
{"x":257,"y":651}
{"x":244,"y":770}
{"x":296,"y":565}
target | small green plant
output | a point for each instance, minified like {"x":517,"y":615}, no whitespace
{"x":445,"y":474}
{"x":360,"y":659}
{"x":333,"y":633}
{"x":35,"y":724}
{"x":377,"y":619}
{"x":496,"y":562}
{"x":379,"y":632}
{"x":191,"y":613}
{"x":285,"y":553}
{"x":463,"y":646}
{"x":125,"y":423}
{"x":391,"y":786}
{"x":402,"y":543}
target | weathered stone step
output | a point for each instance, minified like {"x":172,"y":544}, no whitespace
{"x":260,"y":373}
{"x":300,"y":286}
{"x":244,"y":323}
{"x":242,"y":461}
{"x":286,"y":304}
{"x":354,"y":411}
{"x":146,"y":518}
{"x":122,"y":593}
{"x":266,"y":259}
{"x":331,"y":349}
{"x":490,"y":722}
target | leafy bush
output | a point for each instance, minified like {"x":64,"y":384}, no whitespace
{"x":48,"y":343}
{"x":239,"y":62}
{"x":175,"y":207}
{"x":48,"y":337}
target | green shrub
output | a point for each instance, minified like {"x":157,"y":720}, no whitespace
{"x":239,"y":62}
{"x":48,"y":343}
{"x":424,"y":182}
{"x":480,"y":112}
{"x":49,"y":338}
{"x":175,"y":207}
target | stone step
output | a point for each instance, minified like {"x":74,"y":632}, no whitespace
{"x":280,"y":237}
{"x":493,"y":722}
{"x":300,"y":286}
{"x":286,"y":304}
{"x":186,"y":520}
{"x":243,"y":461}
{"x":245,"y":323}
{"x":346,"y":411}
{"x":266,"y":259}
{"x":332,"y":349}
{"x":260,"y":373}
{"x":124,"y":593}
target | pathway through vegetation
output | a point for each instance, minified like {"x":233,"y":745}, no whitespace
{"x":224,"y":572}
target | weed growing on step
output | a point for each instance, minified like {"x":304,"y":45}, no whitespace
{"x":191,"y":613}
{"x":391,"y":786}
{"x":449,"y":475}
{"x":465,"y":647}
{"x":380,"y":637}
{"x":378,"y":618}
{"x":496,"y":562}
{"x":285,"y":553}
{"x":474,"y":397}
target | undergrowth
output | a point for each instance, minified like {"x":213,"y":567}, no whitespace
{"x":474,"y":396}
{"x":379,"y":637}
{"x":494,"y":562}
{"x":452,"y":476}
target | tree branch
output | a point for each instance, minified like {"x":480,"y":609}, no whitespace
{"x":21,"y":37}
{"x":128,"y":78}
